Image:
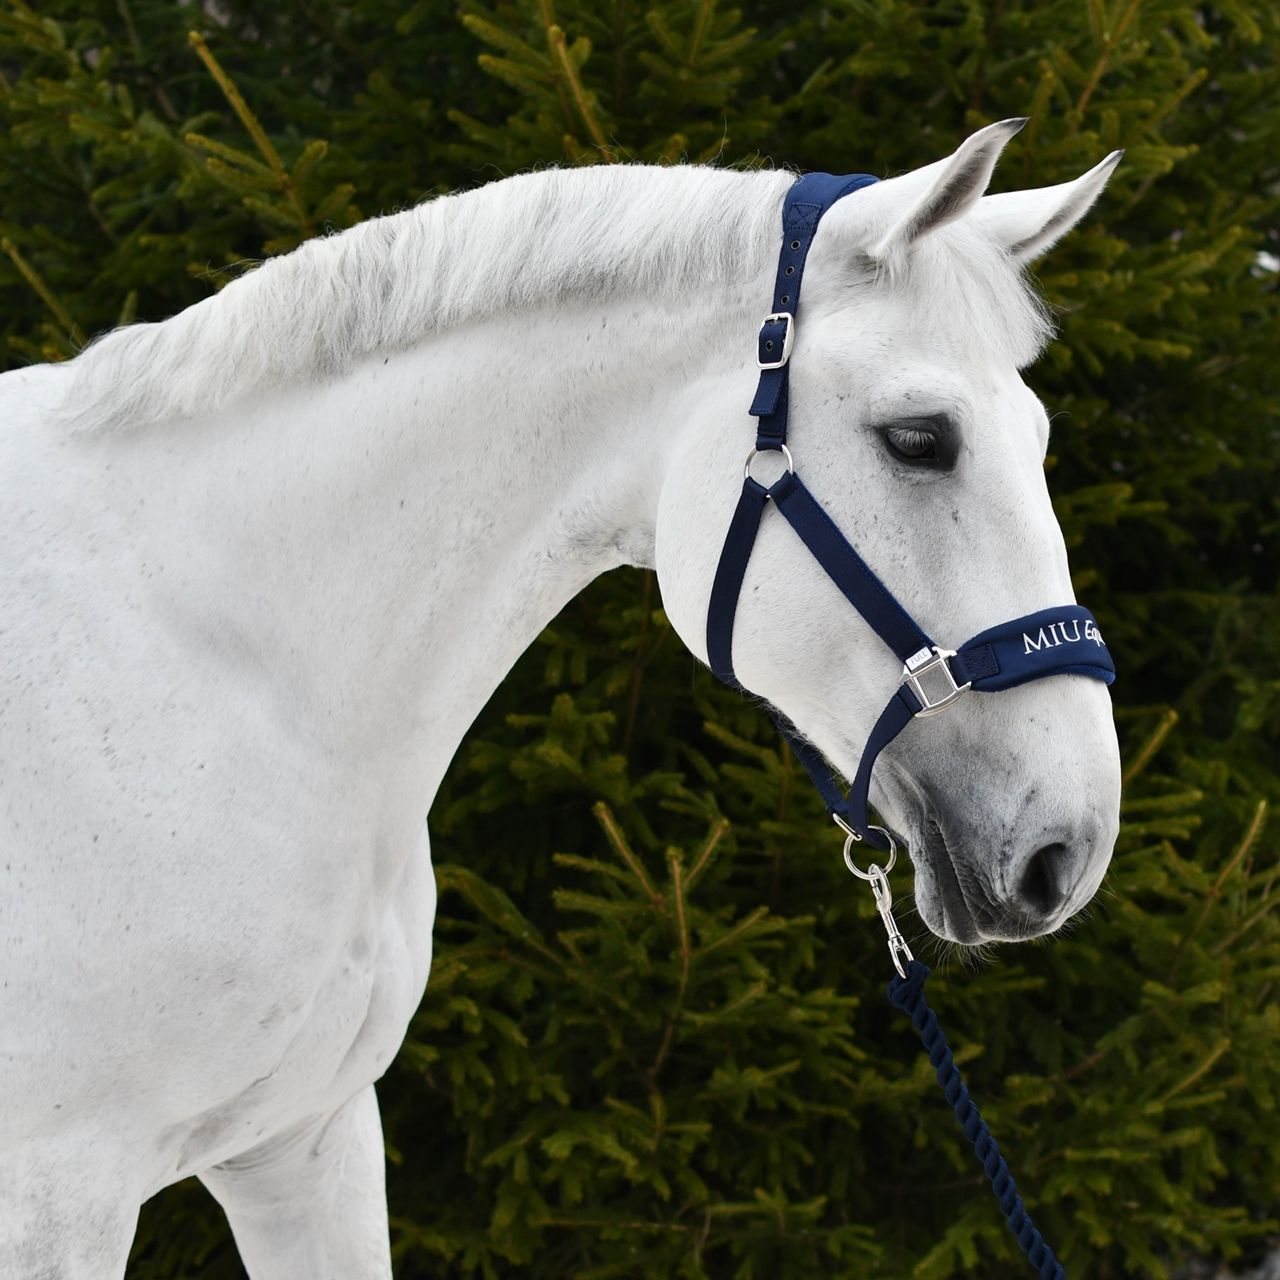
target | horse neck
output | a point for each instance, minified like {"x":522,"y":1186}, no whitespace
{"x":384,"y":546}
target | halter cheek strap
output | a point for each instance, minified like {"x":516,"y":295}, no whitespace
{"x":1061,"y":641}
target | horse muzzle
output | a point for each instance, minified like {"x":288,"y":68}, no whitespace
{"x":1011,"y":843}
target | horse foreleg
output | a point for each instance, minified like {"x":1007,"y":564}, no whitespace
{"x":65,"y":1214}
{"x":311,"y":1204}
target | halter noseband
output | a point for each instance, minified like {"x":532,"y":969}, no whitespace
{"x":1060,"y":641}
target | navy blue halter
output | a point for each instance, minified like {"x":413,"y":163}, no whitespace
{"x":1061,"y":641}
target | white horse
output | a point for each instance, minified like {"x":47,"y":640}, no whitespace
{"x":261,"y":565}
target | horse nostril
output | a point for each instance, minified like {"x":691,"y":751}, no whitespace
{"x":1040,"y":890}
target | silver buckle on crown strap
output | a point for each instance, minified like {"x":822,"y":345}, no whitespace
{"x":788,"y":321}
{"x":933,"y":664}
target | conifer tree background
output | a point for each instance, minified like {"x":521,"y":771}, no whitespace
{"x":655,"y":1042}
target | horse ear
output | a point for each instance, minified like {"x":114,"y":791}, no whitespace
{"x":1027,"y":223}
{"x":943,"y":191}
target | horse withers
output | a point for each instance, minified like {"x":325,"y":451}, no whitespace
{"x":262,"y":564}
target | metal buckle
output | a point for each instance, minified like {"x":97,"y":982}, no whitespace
{"x":789,"y":321}
{"x":925,"y":663}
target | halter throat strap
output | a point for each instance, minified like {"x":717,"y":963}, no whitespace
{"x":1060,"y":641}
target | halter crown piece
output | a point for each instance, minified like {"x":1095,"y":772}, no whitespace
{"x":1060,"y":641}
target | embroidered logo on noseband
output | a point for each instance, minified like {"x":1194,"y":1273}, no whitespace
{"x":1065,"y":632}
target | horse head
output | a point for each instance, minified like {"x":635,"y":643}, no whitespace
{"x":913,"y":428}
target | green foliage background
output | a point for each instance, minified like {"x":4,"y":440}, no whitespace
{"x":655,"y":1043}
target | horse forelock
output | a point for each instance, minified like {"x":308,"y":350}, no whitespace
{"x":956,"y":283}
{"x":960,"y":274}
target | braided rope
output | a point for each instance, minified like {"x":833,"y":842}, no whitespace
{"x":907,"y":994}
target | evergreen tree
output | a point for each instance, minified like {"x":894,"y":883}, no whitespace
{"x":655,"y":1041}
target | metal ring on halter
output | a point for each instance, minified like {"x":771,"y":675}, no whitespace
{"x":786,"y":453}
{"x":857,"y":870}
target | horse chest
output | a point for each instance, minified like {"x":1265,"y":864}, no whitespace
{"x":316,"y":1041}
{"x":201,"y":1021}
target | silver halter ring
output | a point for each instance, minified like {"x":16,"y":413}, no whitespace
{"x":786,"y":453}
{"x":876,"y":870}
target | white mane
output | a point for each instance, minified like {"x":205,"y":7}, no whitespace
{"x":529,"y":241}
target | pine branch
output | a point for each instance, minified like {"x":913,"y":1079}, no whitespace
{"x":1149,"y":748}
{"x":586,"y":112}
{"x":1211,"y":899}
{"x":676,"y":870}
{"x":60,"y":313}
{"x":255,"y":131}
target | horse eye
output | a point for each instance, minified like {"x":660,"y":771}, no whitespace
{"x":911,"y":444}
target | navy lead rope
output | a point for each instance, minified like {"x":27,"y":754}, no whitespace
{"x":1064,"y":640}
{"x":907,"y":993}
